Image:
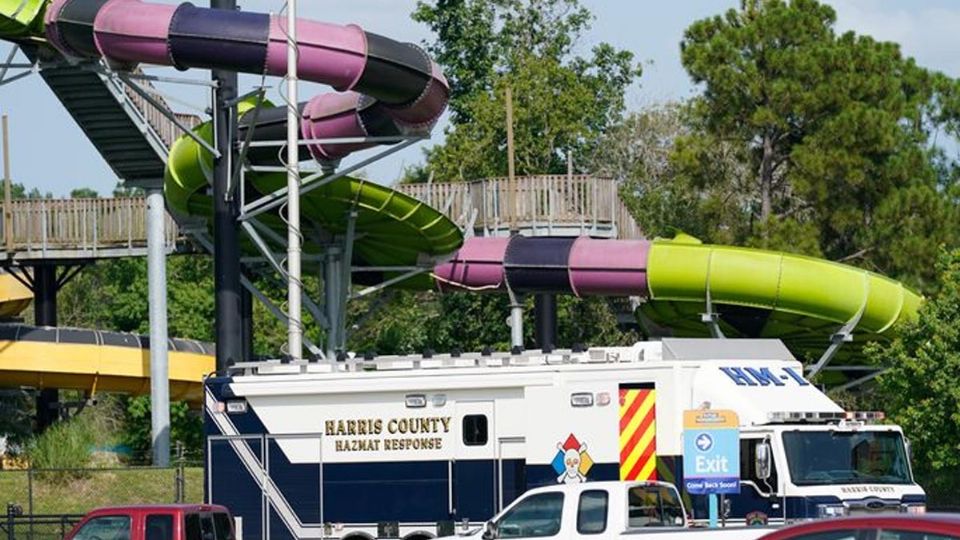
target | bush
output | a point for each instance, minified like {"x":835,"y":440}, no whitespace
{"x":70,"y":444}
{"x":64,"y":445}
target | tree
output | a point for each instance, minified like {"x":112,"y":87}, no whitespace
{"x":562,"y":103}
{"x":831,"y":130}
{"x":84,"y":193}
{"x":412,"y":322}
{"x":919,"y":391}
{"x":123,"y":190}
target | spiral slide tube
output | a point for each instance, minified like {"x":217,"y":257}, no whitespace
{"x":390,"y":88}
{"x":756,"y":293}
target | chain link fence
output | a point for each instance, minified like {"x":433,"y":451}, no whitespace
{"x":19,"y":527}
{"x":44,"y":495}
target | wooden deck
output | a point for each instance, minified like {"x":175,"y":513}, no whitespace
{"x":80,"y":229}
{"x":70,"y":229}
{"x":556,"y":205}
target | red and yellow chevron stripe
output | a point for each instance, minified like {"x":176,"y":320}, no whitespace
{"x":638,"y":434}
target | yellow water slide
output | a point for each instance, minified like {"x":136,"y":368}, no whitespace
{"x":90,"y":360}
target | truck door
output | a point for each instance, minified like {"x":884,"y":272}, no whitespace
{"x":474,"y":481}
{"x":539,"y":516}
{"x":511,"y":469}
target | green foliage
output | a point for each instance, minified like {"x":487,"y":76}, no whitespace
{"x":123,"y":190}
{"x":413,"y":322}
{"x":62,"y":445}
{"x":561,"y":103}
{"x":815,"y":142}
{"x":919,"y":391}
{"x":16,"y":418}
{"x":69,"y":444}
{"x":19,"y":191}
{"x":113,"y":295}
{"x":84,"y":193}
{"x":186,"y":427}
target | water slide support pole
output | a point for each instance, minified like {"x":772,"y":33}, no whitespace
{"x":332,"y":281}
{"x":246,"y":324}
{"x":545,"y":317}
{"x":516,"y":319}
{"x":45,"y":314}
{"x":295,"y":326}
{"x":157,"y":285}
{"x":226,"y":254}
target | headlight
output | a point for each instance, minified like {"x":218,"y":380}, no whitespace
{"x":913,"y":508}
{"x":831,"y":511}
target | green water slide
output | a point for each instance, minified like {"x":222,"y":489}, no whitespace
{"x":757,"y":293}
{"x":21,"y":18}
{"x":392,"y":229}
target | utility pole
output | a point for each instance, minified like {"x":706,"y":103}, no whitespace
{"x":511,"y":179}
{"x":157,"y":289}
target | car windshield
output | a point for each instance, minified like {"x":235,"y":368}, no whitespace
{"x":846,"y":457}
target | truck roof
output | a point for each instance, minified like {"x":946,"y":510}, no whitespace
{"x":649,"y":353}
{"x":136,"y":509}
{"x":591,"y":486}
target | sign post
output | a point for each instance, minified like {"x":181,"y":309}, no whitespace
{"x":711,"y":455}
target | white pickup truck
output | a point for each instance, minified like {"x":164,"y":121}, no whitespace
{"x":602,"y":510}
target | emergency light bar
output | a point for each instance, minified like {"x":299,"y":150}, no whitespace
{"x":783,"y":417}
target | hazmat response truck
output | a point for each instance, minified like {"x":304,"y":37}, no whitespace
{"x":414,"y":447}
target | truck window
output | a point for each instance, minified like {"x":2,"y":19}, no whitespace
{"x":475,"y":430}
{"x":206,"y":527}
{"x":914,"y":535}
{"x":748,"y":469}
{"x":159,"y":527}
{"x":846,"y":534}
{"x":105,"y":528}
{"x":224,"y":528}
{"x":536,"y":516}
{"x":653,"y":506}
{"x":191,"y":527}
{"x":592,"y":512}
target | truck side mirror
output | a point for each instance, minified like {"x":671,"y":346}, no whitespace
{"x":761,"y":463}
{"x":490,"y":531}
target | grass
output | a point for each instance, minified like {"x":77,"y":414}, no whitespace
{"x":59,"y":493}
{"x":66,"y":479}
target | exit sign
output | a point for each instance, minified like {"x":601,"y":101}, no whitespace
{"x":711,"y":451}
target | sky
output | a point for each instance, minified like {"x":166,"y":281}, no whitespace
{"x":49,"y":151}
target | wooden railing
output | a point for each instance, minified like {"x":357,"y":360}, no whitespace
{"x":165,"y":128}
{"x":109,"y":227}
{"x":80,"y":228}
{"x":581,"y":204}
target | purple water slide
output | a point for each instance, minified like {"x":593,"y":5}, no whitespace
{"x":582,"y":266}
{"x":389,"y":88}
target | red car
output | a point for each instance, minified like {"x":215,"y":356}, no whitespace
{"x":890,"y":527}
{"x":156,"y":522}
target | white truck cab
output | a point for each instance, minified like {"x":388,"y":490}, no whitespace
{"x":602,"y":510}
